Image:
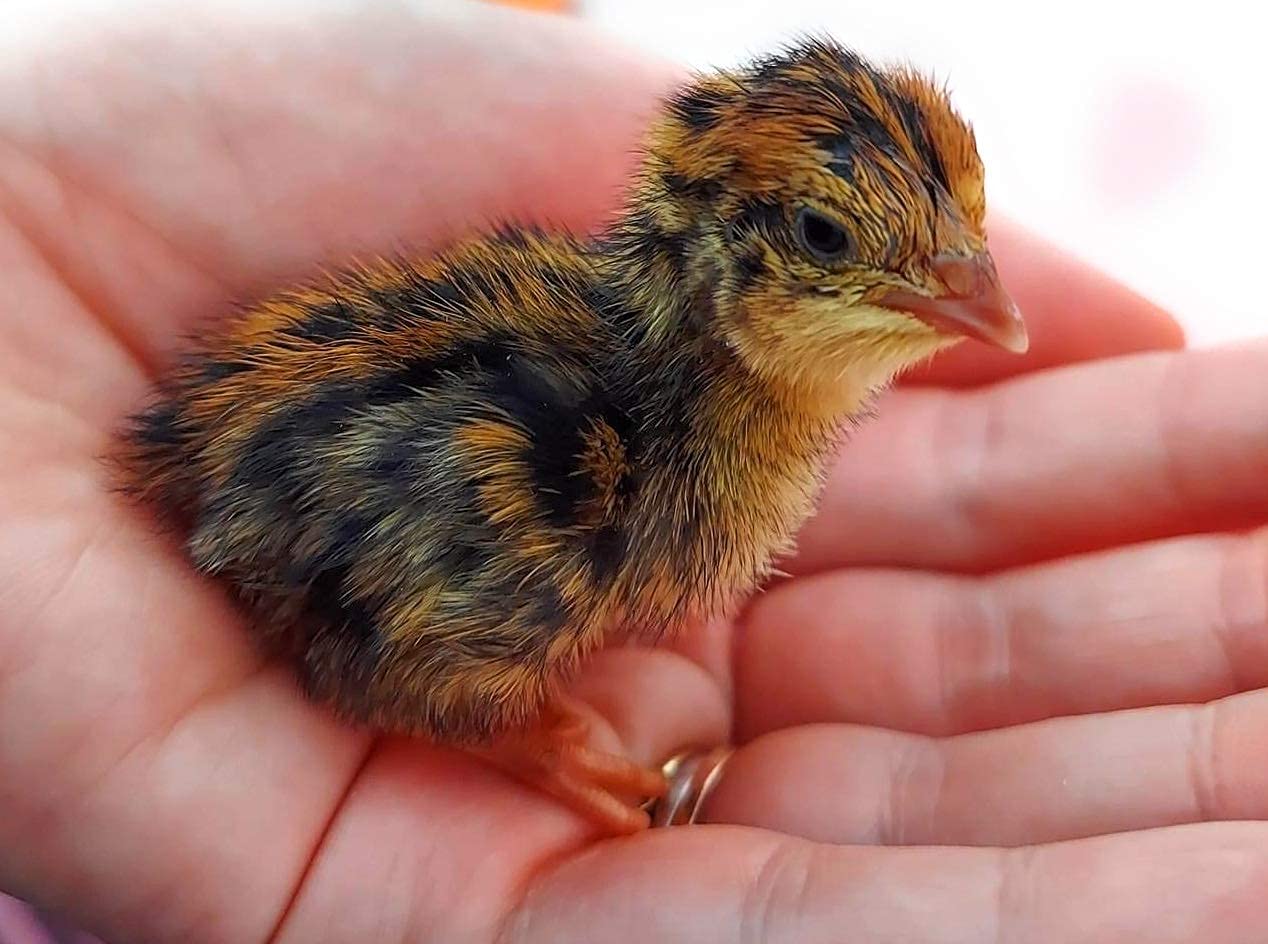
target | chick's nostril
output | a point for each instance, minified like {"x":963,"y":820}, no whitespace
{"x":962,"y":275}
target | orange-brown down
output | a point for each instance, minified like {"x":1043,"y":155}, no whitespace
{"x":437,"y":484}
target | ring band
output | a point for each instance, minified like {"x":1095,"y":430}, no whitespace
{"x":692,"y":776}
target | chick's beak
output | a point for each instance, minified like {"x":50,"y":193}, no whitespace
{"x":975,"y":304}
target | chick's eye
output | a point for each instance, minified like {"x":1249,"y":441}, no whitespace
{"x":822,"y":238}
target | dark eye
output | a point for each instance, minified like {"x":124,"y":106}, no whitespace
{"x":821,"y":237}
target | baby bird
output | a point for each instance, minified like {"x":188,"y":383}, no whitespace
{"x":437,"y":484}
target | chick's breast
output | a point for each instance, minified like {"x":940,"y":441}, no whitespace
{"x":410,"y":474}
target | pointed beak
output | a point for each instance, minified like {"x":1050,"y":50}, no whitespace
{"x":974,"y":305}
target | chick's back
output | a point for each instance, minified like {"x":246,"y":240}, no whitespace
{"x":409,"y":473}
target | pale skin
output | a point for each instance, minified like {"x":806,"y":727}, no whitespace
{"x":1015,"y":690}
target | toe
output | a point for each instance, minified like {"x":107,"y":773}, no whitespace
{"x":614,"y":773}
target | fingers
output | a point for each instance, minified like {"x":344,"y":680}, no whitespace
{"x":1072,"y":312}
{"x":1175,"y":621}
{"x":139,"y":159}
{"x":446,"y":843}
{"x":1060,"y":779}
{"x":722,"y":885}
{"x":1054,"y":463}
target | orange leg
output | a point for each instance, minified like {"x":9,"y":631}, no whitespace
{"x":555,"y":757}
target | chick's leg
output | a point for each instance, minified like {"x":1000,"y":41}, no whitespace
{"x":555,"y":756}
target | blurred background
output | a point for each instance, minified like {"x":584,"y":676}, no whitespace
{"x":1130,"y":132}
{"x":1132,"y":135}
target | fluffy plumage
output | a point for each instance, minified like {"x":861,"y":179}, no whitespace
{"x":438,"y":483}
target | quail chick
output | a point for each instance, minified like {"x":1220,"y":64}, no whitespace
{"x":436,"y":484}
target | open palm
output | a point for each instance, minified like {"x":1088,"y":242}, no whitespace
{"x":1023,"y":644}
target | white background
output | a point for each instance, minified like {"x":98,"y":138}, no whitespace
{"x":1133,"y":133}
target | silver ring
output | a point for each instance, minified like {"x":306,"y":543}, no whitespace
{"x":692,"y":776}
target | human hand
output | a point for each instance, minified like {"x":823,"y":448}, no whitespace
{"x":163,"y":783}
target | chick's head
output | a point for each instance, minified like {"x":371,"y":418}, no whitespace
{"x":835,"y":213}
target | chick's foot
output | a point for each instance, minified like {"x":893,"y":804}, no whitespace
{"x":556,"y":757}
